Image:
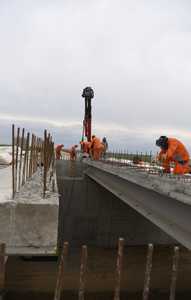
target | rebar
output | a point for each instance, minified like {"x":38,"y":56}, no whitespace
{"x":27,"y":156}
{"x":119,"y":268}
{"x":31,"y":156}
{"x":2,"y":264}
{"x":16,"y":158}
{"x":21,"y":157}
{"x":146,"y":287}
{"x":25,"y":160}
{"x":37,"y":153}
{"x":45,"y":162}
{"x":83,"y":268}
{"x":174,"y":273}
{"x":60,"y":277}
{"x":13,"y":160}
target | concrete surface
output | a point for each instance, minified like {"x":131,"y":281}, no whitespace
{"x":28,"y":224}
{"x":162,"y":200}
{"x":174,"y":186}
{"x":90,"y":214}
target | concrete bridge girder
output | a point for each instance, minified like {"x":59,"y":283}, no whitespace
{"x":172,"y":215}
{"x":89,"y":213}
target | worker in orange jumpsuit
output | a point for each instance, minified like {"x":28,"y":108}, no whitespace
{"x":96,"y":147}
{"x":58,"y":151}
{"x":72,"y":152}
{"x":85,"y":147}
{"x":172,"y":150}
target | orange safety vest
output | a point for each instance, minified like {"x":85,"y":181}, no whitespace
{"x":96,"y":143}
{"x":176,"y":151}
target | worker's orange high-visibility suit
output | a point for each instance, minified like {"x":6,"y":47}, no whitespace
{"x":97,"y":148}
{"x":72,"y":152}
{"x":85,"y":146}
{"x":178,"y":154}
{"x":58,"y":151}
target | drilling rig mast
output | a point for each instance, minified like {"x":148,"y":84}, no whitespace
{"x":88,"y":94}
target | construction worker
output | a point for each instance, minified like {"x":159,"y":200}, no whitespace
{"x":96,"y":147}
{"x":172,"y":150}
{"x":105,"y":143}
{"x":72,"y":152}
{"x":58,"y":151}
{"x":85,"y":148}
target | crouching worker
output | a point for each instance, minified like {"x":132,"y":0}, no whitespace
{"x":73,"y":153}
{"x":58,"y":151}
{"x":172,"y":150}
{"x":85,"y":147}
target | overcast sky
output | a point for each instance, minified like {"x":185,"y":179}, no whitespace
{"x":136,"y":54}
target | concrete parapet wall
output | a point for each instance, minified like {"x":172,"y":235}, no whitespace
{"x":28,"y":224}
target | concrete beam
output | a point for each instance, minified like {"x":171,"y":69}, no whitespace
{"x":29,"y":223}
{"x":90,"y":214}
{"x":165,"y":202}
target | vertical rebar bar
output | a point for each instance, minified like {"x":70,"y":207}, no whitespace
{"x":148,"y":270}
{"x":60,"y":279}
{"x":21,"y":157}
{"x":119,"y":268}
{"x":16,"y":158}
{"x":34,"y":155}
{"x":53,"y":157}
{"x":31,"y":156}
{"x":83,"y":268}
{"x":42,"y":153}
{"x":37,"y":154}
{"x":13,"y":160}
{"x":45,"y":163}
{"x":28,"y":153}
{"x":2,"y":264}
{"x":174,"y":273}
{"x":25,"y":160}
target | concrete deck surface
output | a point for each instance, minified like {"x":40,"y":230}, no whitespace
{"x":174,"y":186}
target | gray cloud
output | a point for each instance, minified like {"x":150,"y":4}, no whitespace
{"x":135,"y":54}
